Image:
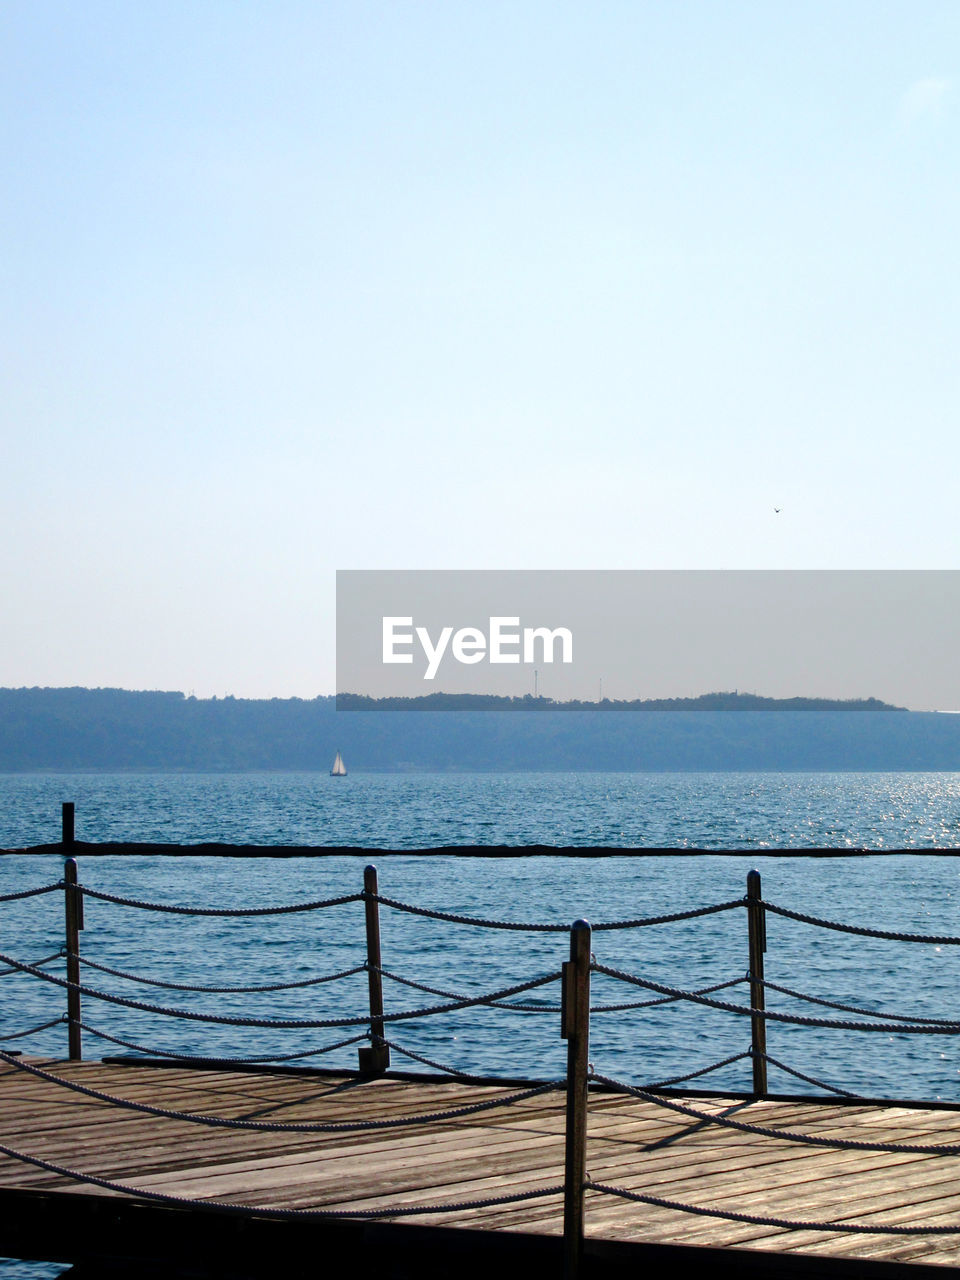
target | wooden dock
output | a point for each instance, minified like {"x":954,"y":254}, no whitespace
{"x":519,"y":1147}
{"x":194,"y":1168}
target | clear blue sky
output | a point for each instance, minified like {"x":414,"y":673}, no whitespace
{"x":292,"y":287}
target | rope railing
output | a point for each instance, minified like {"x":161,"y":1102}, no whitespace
{"x":799,"y":1075}
{"x":852,"y":1008}
{"x":20,"y":894}
{"x":246,"y":1060}
{"x":242,"y":1020}
{"x":891,"y":935}
{"x":30,"y":1031}
{"x":286,"y":909}
{"x":660,"y":1084}
{"x":37,"y":964}
{"x":641,"y":922}
{"x":282,"y":1215}
{"x":445,"y":1068}
{"x":557,"y":1008}
{"x":219,"y":990}
{"x":664,"y":1000}
{"x":764,"y":1220}
{"x":700,"y":1071}
{"x":291,"y":908}
{"x":453,"y":1000}
{"x":370,"y":1030}
{"x":460,"y":995}
{"x":278,"y":1126}
{"x":766,"y":1131}
{"x":581,"y":1074}
{"x":943,"y":1028}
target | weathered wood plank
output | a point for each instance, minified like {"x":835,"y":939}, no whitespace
{"x":516,"y":1147}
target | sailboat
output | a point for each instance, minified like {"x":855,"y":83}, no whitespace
{"x":339,"y":769}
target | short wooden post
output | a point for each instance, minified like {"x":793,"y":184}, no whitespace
{"x":66,"y":823}
{"x":73,"y":904}
{"x":575,"y":1029}
{"x":757,"y":926}
{"x":375,"y":1059}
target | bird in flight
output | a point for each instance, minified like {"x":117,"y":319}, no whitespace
{"x":777,"y":510}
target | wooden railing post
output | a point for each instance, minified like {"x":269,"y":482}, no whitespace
{"x":575,"y":1029}
{"x":375,"y":1059}
{"x":66,"y":824}
{"x":73,"y":905}
{"x":757,"y":926}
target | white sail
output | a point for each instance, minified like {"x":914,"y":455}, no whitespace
{"x":339,"y":769}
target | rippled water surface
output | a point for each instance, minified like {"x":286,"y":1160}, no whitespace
{"x":913,"y":892}
{"x":709,"y":810}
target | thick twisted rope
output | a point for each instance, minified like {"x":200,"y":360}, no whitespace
{"x":862,"y":930}
{"x":651,"y":1004}
{"x":437,"y":1066}
{"x":55,"y":955}
{"x":800,"y":1020}
{"x":186,"y":986}
{"x":763,"y":1131}
{"x":460,"y":995}
{"x":43,"y":1026}
{"x":542,"y":927}
{"x":822,"y":1084}
{"x":477,"y":921}
{"x":755,"y":1219}
{"x":195,"y":1057}
{"x":701,"y":1071}
{"x":276,"y":1126}
{"x":274,"y":1023}
{"x":554,"y":1007}
{"x":288,"y":909}
{"x":30,"y":893}
{"x":852,"y":1008}
{"x":257,"y":1211}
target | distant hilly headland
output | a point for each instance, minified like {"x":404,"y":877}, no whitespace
{"x":116,"y":729}
{"x":735,"y":701}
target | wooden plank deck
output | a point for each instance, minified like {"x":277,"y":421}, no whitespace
{"x":631,"y":1144}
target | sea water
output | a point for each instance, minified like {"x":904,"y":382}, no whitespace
{"x":913,"y":892}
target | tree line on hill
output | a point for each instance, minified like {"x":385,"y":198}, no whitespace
{"x":115,"y":729}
